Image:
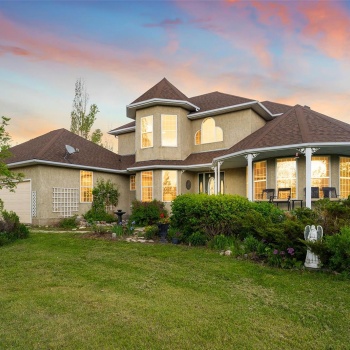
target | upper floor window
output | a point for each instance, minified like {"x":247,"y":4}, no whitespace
{"x":86,"y":184}
{"x":209,"y":132}
{"x":344,"y":173}
{"x":169,"y":185}
{"x":286,"y":174}
{"x":259,"y":173}
{"x":132,"y":182}
{"x":147,"y":131}
{"x":320,"y":172}
{"x":169,"y":130}
{"x":147,"y":186}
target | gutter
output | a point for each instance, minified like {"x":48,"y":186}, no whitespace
{"x":64,"y":165}
{"x":122,"y":131}
{"x":130,"y":109}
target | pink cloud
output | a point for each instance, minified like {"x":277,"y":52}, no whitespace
{"x":165,"y":23}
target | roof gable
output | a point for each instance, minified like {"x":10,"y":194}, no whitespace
{"x":163,"y":90}
{"x":299,"y":125}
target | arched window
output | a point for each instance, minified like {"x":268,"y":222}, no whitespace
{"x":208,"y":133}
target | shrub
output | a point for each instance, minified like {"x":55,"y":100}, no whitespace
{"x":118,"y":230}
{"x":105,"y":194}
{"x":68,"y":223}
{"x":10,"y":228}
{"x":220,"y":242}
{"x":197,"y":238}
{"x":147,"y":213}
{"x":151,"y":231}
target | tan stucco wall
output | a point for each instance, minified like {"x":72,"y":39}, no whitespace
{"x":126,"y":144}
{"x":235,"y":126}
{"x":183,"y":148}
{"x":44,"y":178}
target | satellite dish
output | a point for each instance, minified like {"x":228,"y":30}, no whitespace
{"x":70,"y":150}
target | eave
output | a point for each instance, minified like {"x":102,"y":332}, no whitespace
{"x":132,"y":108}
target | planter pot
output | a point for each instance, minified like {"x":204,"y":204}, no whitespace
{"x":163,"y":230}
{"x":175,"y":240}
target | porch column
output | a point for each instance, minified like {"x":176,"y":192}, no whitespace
{"x":308,"y":155}
{"x":219,"y":178}
{"x":215,"y":168}
{"x":308,"y":152}
{"x":249,"y":157}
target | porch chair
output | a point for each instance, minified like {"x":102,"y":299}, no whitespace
{"x":267,"y":195}
{"x":315,"y":193}
{"x":331,"y":193}
{"x":283,"y":196}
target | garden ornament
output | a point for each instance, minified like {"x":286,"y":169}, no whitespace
{"x":312,"y":235}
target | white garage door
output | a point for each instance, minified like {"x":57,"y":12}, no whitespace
{"x":19,"y":201}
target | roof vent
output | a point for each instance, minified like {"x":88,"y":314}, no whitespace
{"x":307,"y":107}
{"x":70,"y":150}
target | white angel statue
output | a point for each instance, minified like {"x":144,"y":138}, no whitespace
{"x":312,"y":235}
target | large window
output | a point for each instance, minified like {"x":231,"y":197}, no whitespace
{"x":320,"y":172}
{"x":208,"y":133}
{"x":86,"y":186}
{"x":259,"y":173}
{"x":169,"y":130}
{"x":169,"y":185}
{"x":147,"y":132}
{"x":344,"y":172}
{"x":147,"y":186}
{"x":286,"y":174}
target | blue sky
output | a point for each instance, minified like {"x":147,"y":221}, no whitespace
{"x":283,"y":51}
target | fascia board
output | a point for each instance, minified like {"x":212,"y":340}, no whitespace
{"x":255,"y":105}
{"x":131,"y":109}
{"x":63,"y":165}
{"x":169,"y":167}
{"x":122,"y":131}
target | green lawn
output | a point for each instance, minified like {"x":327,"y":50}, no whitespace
{"x":62,"y":291}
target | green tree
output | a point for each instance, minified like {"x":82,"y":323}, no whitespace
{"x":81,"y":120}
{"x":8,"y":179}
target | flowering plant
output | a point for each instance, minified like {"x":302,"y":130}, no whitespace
{"x":163,"y":219}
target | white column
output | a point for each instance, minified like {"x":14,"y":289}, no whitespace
{"x":249,"y":158}
{"x":219,"y":178}
{"x":215,"y":168}
{"x":308,"y":155}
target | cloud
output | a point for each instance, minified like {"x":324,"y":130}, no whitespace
{"x":165,"y":23}
{"x":17,"y":51}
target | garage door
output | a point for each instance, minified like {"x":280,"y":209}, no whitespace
{"x":19,"y":201}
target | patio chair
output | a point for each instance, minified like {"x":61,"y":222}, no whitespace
{"x":283,"y":196}
{"x":330,"y":192}
{"x":315,"y":193}
{"x":267,"y":195}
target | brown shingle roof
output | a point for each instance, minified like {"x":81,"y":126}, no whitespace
{"x":50,"y":147}
{"x":215,"y":100}
{"x":164,"y":90}
{"x":276,"y":108}
{"x":125,"y":126}
{"x":298,"y":126}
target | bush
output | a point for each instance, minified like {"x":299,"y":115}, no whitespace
{"x":94,"y":215}
{"x":68,"y":223}
{"x":118,"y":230}
{"x":147,"y":213}
{"x":151,"y":231}
{"x":197,"y":239}
{"x":10,"y":228}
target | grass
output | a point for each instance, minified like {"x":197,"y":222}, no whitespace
{"x":62,"y":291}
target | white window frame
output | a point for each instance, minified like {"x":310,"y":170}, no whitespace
{"x":148,"y":116}
{"x":80,"y":187}
{"x":161,"y":128}
{"x":296,"y":176}
{"x":130,"y":182}
{"x":146,"y":171}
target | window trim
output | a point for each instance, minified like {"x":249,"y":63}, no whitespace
{"x":161,"y":129}
{"x":141,"y":133}
{"x":147,"y":171}
{"x":255,"y":195}
{"x":132,"y":182}
{"x":80,"y":185}
{"x":163,"y":171}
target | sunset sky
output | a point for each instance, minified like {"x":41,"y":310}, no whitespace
{"x":293,"y":52}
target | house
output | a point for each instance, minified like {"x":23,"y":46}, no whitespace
{"x":211,"y":143}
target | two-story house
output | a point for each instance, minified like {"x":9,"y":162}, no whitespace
{"x":212,"y":143}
